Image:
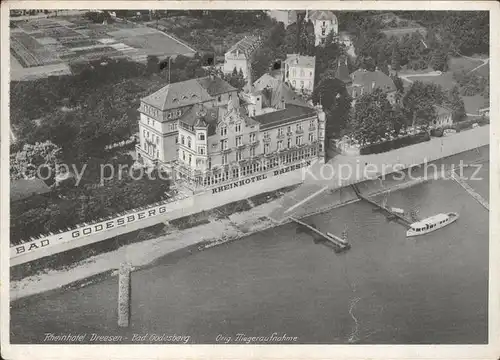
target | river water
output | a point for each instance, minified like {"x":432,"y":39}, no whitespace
{"x":388,"y":289}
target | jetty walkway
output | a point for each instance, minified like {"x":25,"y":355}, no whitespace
{"x":470,"y":190}
{"x":338,"y":243}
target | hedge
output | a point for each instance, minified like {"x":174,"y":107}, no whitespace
{"x":394,"y":144}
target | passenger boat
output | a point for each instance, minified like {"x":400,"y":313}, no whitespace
{"x":431,"y":224}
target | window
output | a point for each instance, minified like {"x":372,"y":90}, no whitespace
{"x":182,"y":139}
{"x":239,"y":155}
{"x":310,"y":73}
{"x":201,"y":136}
{"x":183,"y":156}
{"x":219,"y":98}
{"x":190,"y":159}
{"x":179,"y":113}
{"x":148,"y":120}
{"x":301,"y":84}
{"x":144,"y":133}
{"x":288,"y":129}
{"x":298,"y":140}
{"x":176,"y":139}
{"x":280,"y":144}
{"x":201,"y":150}
{"x":299,"y":126}
{"x":145,"y":145}
{"x":280,"y":131}
{"x":189,"y":141}
{"x":238,"y":141}
{"x":311,"y":137}
{"x":223,"y":144}
{"x":266,"y":148}
{"x":252,"y":137}
{"x":157,"y":140}
{"x":209,"y":163}
{"x":223,"y":131}
{"x":169,"y":116}
{"x":311,"y":123}
{"x":224,"y":159}
{"x":230,"y":97}
{"x":266,"y":134}
{"x":323,"y":32}
{"x":289,"y":143}
{"x":237,"y":127}
{"x":252,"y":151}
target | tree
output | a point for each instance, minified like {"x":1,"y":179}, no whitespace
{"x":396,"y":59}
{"x":439,"y":60}
{"x":36,"y":161}
{"x":332,"y":95}
{"x":398,"y":119}
{"x":398,"y":82}
{"x":371,"y":120}
{"x":456,"y":103}
{"x":419,"y":100}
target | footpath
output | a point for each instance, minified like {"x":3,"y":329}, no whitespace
{"x":316,"y":194}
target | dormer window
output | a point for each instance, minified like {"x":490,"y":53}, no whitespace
{"x":193,"y":96}
{"x":175,"y":100}
{"x":179,"y":113}
{"x":169,"y":116}
{"x":184,"y":97}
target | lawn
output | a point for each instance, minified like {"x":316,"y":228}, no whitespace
{"x":465,"y":64}
{"x":473,"y":103}
{"x":445,"y":80}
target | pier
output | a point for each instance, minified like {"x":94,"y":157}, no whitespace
{"x":338,"y":243}
{"x":389,"y":213}
{"x":470,"y":190}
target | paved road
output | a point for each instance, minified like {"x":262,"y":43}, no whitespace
{"x":344,"y":170}
{"x":431,"y":73}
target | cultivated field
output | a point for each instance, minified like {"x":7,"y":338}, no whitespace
{"x":64,"y":40}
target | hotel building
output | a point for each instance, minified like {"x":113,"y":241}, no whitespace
{"x":160,"y":113}
{"x":270,"y":132}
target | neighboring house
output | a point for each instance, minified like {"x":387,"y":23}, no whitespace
{"x":287,"y":17}
{"x":444,"y":117}
{"x":342,"y":72}
{"x":298,"y":71}
{"x":26,"y":189}
{"x":231,"y":145}
{"x":365,"y":82}
{"x":160,"y":112}
{"x":239,"y":55}
{"x":324,"y":22}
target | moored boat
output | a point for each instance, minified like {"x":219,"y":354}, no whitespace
{"x":431,"y":224}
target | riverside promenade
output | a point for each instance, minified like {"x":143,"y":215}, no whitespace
{"x":341,"y":171}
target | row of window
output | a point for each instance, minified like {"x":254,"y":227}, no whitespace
{"x":257,"y":167}
{"x":302,"y":84}
{"x":223,"y":129}
{"x":302,"y":72}
{"x":146,"y":134}
{"x":298,"y":127}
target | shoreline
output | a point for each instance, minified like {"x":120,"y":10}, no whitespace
{"x":148,"y":253}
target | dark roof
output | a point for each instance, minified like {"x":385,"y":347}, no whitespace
{"x":281,"y":117}
{"x":247,"y":44}
{"x":365,"y":79}
{"x":215,"y":86}
{"x":22,"y":189}
{"x":199,"y":115}
{"x":187,"y":92}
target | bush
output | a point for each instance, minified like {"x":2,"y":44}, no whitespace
{"x":437,"y":132}
{"x":394,"y":144}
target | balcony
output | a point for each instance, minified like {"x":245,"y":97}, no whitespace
{"x":312,"y":128}
{"x":289,"y":133}
{"x":280,"y":136}
{"x":255,"y":142}
{"x":266,"y":139}
{"x":226,"y":150}
{"x":241,"y":146}
{"x":299,"y":131}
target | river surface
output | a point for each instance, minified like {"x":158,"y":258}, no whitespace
{"x":387,"y":289}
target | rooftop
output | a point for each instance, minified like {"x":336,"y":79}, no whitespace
{"x":366,"y":79}
{"x":442,"y":110}
{"x":22,"y":189}
{"x":321,"y":15}
{"x":300,"y":60}
{"x":247,"y":44}
{"x":187,"y":92}
{"x":342,"y":72}
{"x":275,"y":90}
{"x":280,"y":117}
